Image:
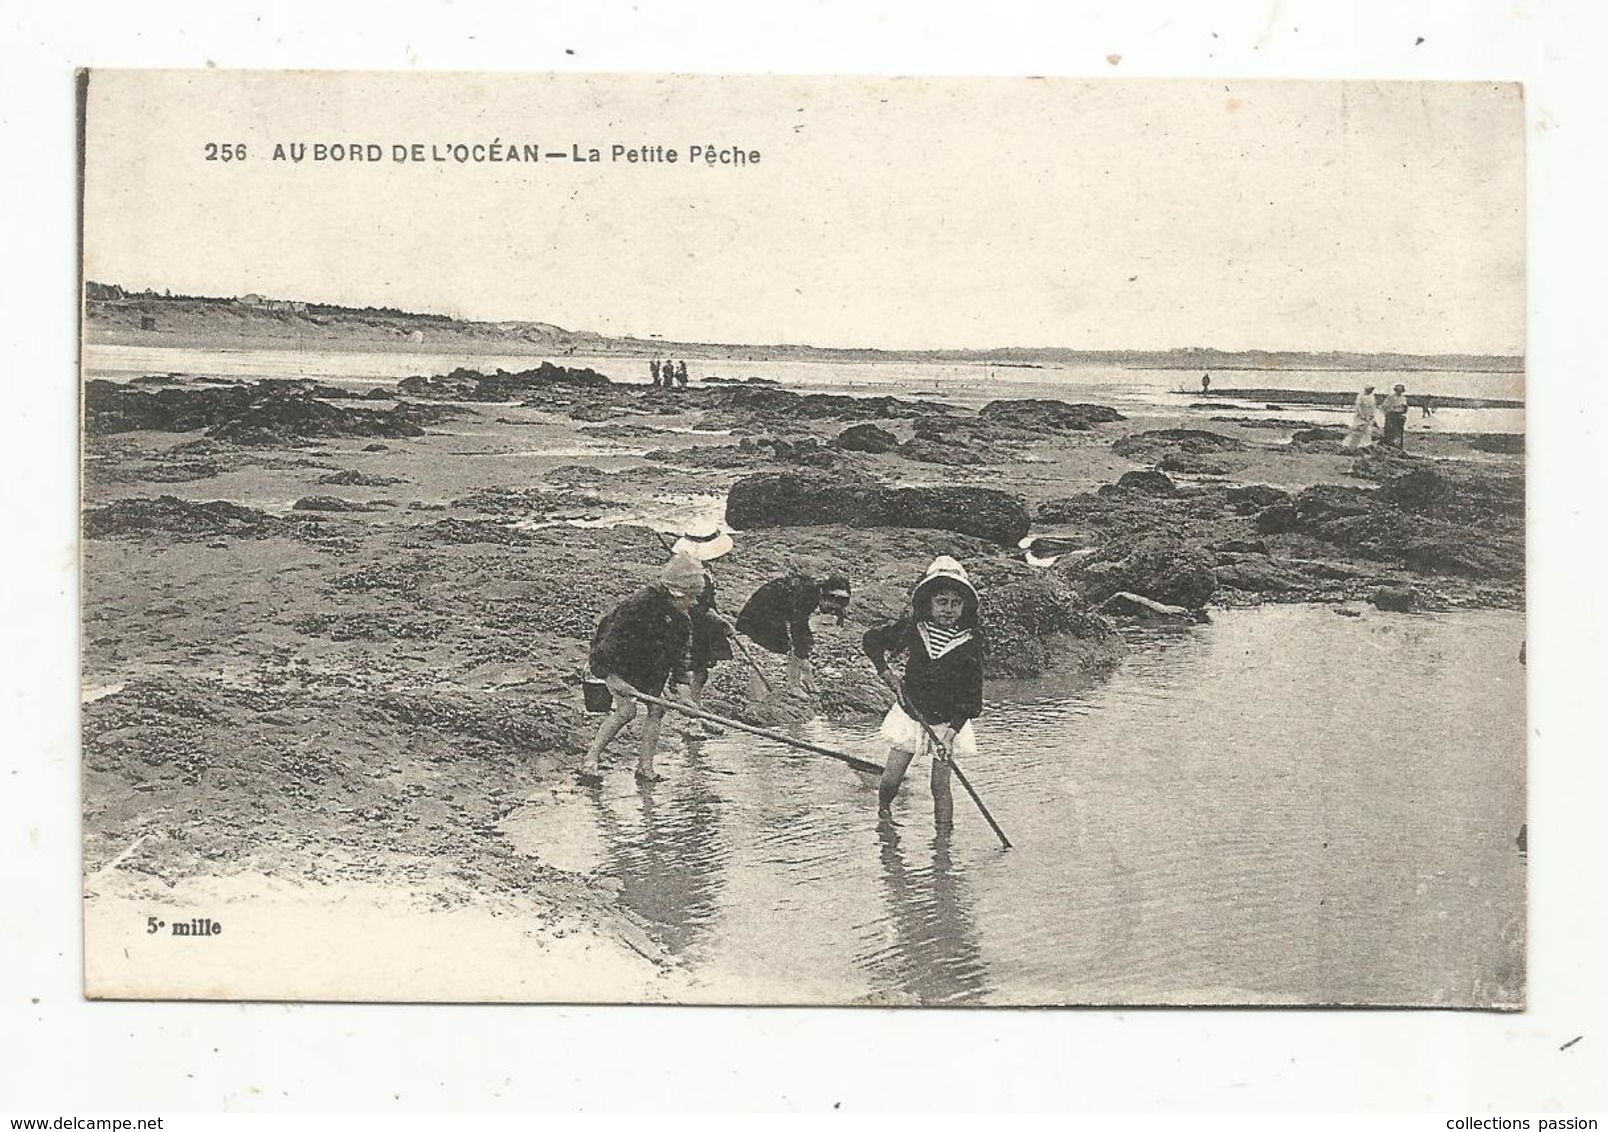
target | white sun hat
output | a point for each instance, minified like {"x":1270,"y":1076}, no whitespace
{"x":704,"y":541}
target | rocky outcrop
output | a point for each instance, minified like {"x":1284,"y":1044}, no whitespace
{"x":1251,"y":498}
{"x":795,"y":499}
{"x":335,"y":503}
{"x":1034,"y":623}
{"x":1158,"y":567}
{"x":865,"y":438}
{"x":1151,"y":483}
{"x":1395,"y":599}
{"x":1039,"y":415}
{"x":1155,"y":444}
{"x":259,"y":414}
{"x":472,"y":385}
{"x":181,"y":517}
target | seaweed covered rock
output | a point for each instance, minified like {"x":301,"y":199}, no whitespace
{"x":1153,"y":445}
{"x":1151,"y":483}
{"x":1041,"y":415}
{"x":175,"y":516}
{"x":865,"y":438}
{"x":1158,"y":567}
{"x":262,"y":413}
{"x":1037,"y":622}
{"x":804,"y":499}
{"x":1251,"y":498}
{"x":335,"y":503}
{"x":500,"y":385}
{"x":1187,"y":464}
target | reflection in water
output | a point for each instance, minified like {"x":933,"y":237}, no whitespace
{"x":1205,"y":825}
{"x":669,"y":857}
{"x":930,"y":947}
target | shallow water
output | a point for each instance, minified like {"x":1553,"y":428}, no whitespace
{"x":1284,"y":806}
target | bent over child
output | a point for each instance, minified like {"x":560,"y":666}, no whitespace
{"x":942,"y":682}
{"x":640,"y":645}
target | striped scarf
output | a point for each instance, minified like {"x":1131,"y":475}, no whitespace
{"x":940,"y":641}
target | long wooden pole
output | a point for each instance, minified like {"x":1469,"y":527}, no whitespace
{"x":948,"y":756}
{"x":762,"y":732}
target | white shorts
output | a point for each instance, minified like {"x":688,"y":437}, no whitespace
{"x":905,"y":734}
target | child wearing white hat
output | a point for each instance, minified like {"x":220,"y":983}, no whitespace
{"x":942,"y":684}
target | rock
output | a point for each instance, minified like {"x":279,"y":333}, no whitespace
{"x":1251,"y":498}
{"x":376,"y":447}
{"x":1317,"y":436}
{"x":334,"y":503}
{"x":1190,"y":465}
{"x":471,"y":385}
{"x":1157,"y":567}
{"x":865,"y":438}
{"x":793,"y":499}
{"x":1254,"y":575}
{"x":1507,"y":443}
{"x":930,"y":451}
{"x":357,"y":479}
{"x":179,"y":517}
{"x":1123,"y":604}
{"x":1151,"y":483}
{"x":266,"y":413}
{"x":1041,"y":415}
{"x":1152,"y":445}
{"x":1240,"y":546}
{"x":1395,"y":599}
{"x":1034,"y":623}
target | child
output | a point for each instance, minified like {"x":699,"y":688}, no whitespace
{"x":777,"y":619}
{"x":639,"y":645}
{"x":942,"y":682}
{"x":711,"y":631}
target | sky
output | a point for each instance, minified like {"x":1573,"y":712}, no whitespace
{"x":893,"y":213}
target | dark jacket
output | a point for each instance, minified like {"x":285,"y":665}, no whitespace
{"x":644,"y":641}
{"x":777,"y":616}
{"x":947,"y":690}
{"x":709,"y":643}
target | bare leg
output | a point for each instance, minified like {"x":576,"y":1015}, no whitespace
{"x":650,"y":740}
{"x":700,"y":728}
{"x":624,"y":711}
{"x":892,"y":774}
{"x":943,"y":802}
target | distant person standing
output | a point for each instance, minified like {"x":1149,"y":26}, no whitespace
{"x":1427,"y":406}
{"x":653,"y":367}
{"x":1205,"y":383}
{"x":681,"y":374}
{"x":1396,"y":418}
{"x":1364,"y":417}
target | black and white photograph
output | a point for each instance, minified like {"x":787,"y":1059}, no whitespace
{"x":782,"y":540}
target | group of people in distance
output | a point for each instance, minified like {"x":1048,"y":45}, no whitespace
{"x":668,"y":374}
{"x":661,"y":642}
{"x":1365,"y":418}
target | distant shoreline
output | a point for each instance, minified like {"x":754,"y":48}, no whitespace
{"x":223,"y":324}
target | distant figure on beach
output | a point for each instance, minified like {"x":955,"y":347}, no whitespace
{"x":1395,"y":407}
{"x":653,"y":367}
{"x":942,"y":685}
{"x":1364,"y":417}
{"x":681,"y":374}
{"x":641,"y":645}
{"x":1427,"y":406}
{"x":1205,"y":383}
{"x":711,"y":631}
{"x":777,"y":619}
